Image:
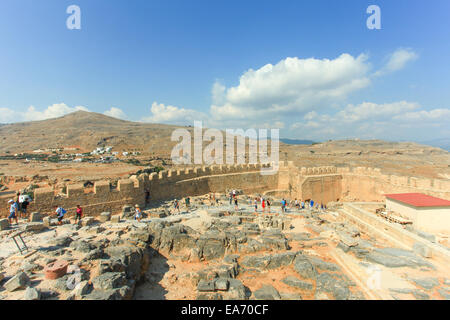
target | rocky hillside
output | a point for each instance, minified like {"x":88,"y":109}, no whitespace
{"x":86,"y":130}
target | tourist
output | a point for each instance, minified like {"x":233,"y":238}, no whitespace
{"x":283,"y":205}
{"x":78,"y":213}
{"x":187,"y":201}
{"x":138,"y":215}
{"x":256,"y":204}
{"x":311,"y":204}
{"x":176,"y":206}
{"x":303,"y":204}
{"x":13,"y":211}
{"x":24,"y":206}
{"x":147,"y":196}
{"x":268,"y":205}
{"x":17,"y":201}
{"x":236,"y":204}
{"x":231,"y":197}
{"x":297,"y":204}
{"x":263,"y":204}
{"x":60,"y":212}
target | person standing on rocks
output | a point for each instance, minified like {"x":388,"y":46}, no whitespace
{"x":263,"y":205}
{"x":78,"y":213}
{"x":138,"y":215}
{"x":24,"y":206}
{"x":236,"y":204}
{"x":268,"y":205}
{"x":147,"y":197}
{"x":176,"y":206}
{"x":297,"y":204}
{"x":187,"y":201}
{"x":60,"y":212}
{"x":17,"y":201}
{"x":283,"y":205}
{"x":13,"y":211}
{"x":256,"y":204}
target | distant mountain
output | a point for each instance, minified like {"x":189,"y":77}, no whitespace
{"x":443,"y":143}
{"x":296,"y":141}
{"x":85,"y":130}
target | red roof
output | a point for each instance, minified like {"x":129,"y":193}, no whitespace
{"x":419,"y":200}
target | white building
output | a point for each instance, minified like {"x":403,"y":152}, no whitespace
{"x":427,"y":213}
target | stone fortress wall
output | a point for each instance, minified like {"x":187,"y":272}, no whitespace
{"x":322,"y":184}
{"x":370,"y":184}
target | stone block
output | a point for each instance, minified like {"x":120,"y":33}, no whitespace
{"x":19,"y":281}
{"x":105,"y":216}
{"x":34,"y":227}
{"x":222,"y":284}
{"x":35,"y":217}
{"x":32,"y":294}
{"x":87,"y":221}
{"x":205,"y":286}
{"x":115,"y":218}
{"x":4,"y":224}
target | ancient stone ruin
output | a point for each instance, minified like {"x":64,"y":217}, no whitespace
{"x":213,"y":250}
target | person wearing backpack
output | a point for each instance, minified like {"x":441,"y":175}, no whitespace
{"x":60,"y":212}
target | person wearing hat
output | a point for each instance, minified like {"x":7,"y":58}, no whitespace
{"x":138,"y":215}
{"x":13,"y":211}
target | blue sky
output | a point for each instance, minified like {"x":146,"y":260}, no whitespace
{"x":311,"y":68}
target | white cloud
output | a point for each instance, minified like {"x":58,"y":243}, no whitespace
{"x":397,"y":61}
{"x":7,"y":115}
{"x":115,"y":113}
{"x":32,"y":114}
{"x":173,"y":115}
{"x":425,"y":116}
{"x":53,"y":111}
{"x":392,"y":121}
{"x":292,"y":85}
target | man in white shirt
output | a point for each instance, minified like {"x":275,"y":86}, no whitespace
{"x":13,"y":211}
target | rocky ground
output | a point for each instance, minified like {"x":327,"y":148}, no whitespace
{"x":214,"y":252}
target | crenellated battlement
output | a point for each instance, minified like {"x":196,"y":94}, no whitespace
{"x":326,"y":183}
{"x":132,"y":191}
{"x":317,"y":171}
{"x":370,"y":184}
{"x":439,"y":185}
